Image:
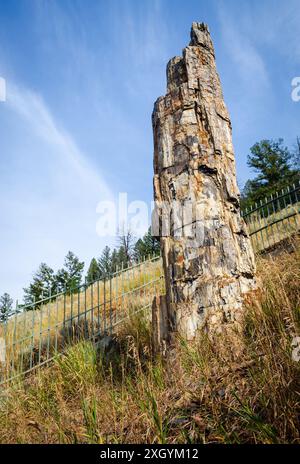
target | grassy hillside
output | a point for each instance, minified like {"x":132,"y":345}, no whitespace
{"x":205,"y":392}
{"x":32,"y":337}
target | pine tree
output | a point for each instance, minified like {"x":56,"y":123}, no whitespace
{"x":146,"y":246}
{"x":105,"y":263}
{"x":152,"y":245}
{"x":123,"y":257}
{"x":115,"y":260}
{"x":43,"y":285}
{"x":93,"y":272}
{"x":271,"y":160}
{"x":6,"y":307}
{"x":139,"y":250}
{"x":69,"y":277}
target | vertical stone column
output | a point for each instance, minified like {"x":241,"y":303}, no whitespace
{"x":208,"y":259}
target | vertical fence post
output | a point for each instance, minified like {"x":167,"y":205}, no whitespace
{"x":32,"y":335}
{"x":110,"y":304}
{"x":71,"y":311}
{"x":145,"y":284}
{"x":276,"y":223}
{"x":48,"y":327}
{"x":104,"y":303}
{"x":290,"y":203}
{"x":64,"y":321}
{"x":98,"y":316}
{"x":122,"y":312}
{"x":23,"y":341}
{"x":14,"y":343}
{"x":84,"y":309}
{"x":56,"y":321}
{"x":296,"y":217}
{"x":40,"y":334}
{"x":6,"y":358}
{"x":78,"y":312}
{"x":92,"y":309}
{"x":117,"y":295}
{"x":285,"y":224}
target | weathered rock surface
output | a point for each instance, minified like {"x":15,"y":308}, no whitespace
{"x":208,"y":258}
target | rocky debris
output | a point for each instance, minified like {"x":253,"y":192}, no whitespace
{"x":208,"y":259}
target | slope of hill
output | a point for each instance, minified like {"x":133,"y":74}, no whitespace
{"x":207,"y":393}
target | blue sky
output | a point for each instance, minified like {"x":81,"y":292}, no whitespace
{"x":82,"y":77}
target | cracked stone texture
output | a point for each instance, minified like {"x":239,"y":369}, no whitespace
{"x":207,"y":278}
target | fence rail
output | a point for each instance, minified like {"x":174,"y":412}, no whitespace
{"x":274,"y":219}
{"x":33,"y":338}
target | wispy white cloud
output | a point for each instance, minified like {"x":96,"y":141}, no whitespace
{"x":260,"y":51}
{"x":275,"y":24}
{"x":142,"y":38}
{"x":33,"y":109}
{"x":146,"y":37}
{"x":248,"y":62}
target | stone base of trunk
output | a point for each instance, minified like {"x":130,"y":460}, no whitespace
{"x":213,"y":320}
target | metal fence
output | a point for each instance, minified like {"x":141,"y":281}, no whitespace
{"x":34,"y":337}
{"x":274,"y":219}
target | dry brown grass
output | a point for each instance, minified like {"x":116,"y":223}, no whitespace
{"x":203,"y":393}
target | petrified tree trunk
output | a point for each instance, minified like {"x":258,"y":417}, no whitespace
{"x":208,"y":260}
